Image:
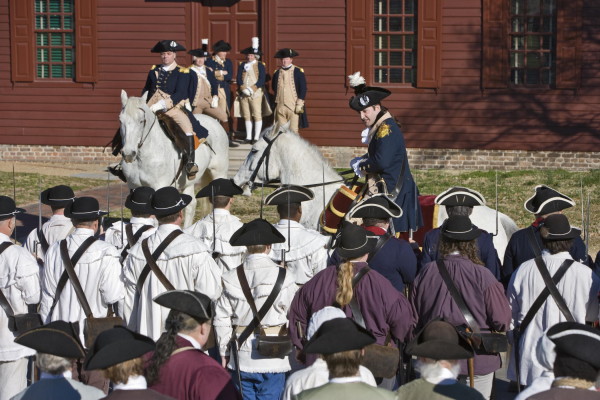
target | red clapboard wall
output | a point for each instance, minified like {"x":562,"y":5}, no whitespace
{"x":463,"y":103}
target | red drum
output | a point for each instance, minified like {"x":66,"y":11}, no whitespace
{"x":337,"y":208}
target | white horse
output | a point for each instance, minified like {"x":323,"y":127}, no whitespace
{"x":485,"y":218}
{"x":151,"y":159}
{"x":294,"y":161}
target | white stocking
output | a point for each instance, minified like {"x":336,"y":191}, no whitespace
{"x":257,"y":129}
{"x":248,"y":130}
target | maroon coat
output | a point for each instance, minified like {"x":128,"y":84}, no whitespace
{"x":192,"y":375}
{"x":557,"y":393}
{"x":482,"y":293}
{"x":383,"y":307}
{"x":141,"y":394}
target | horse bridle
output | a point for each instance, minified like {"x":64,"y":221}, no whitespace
{"x":265,"y":155}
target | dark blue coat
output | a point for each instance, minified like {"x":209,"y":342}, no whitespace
{"x":485,"y":246}
{"x":262,"y":74}
{"x":301,"y":88}
{"x":396,"y":261}
{"x":519,"y":250}
{"x":210,"y":75}
{"x":176,"y":84}
{"x":227,"y":66}
{"x":597,"y":264}
{"x":386,"y":154}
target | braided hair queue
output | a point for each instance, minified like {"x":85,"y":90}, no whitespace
{"x":343,"y":293}
{"x":176,"y":322}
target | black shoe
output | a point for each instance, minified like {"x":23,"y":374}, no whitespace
{"x":233,"y":144}
{"x":248,"y":141}
{"x":190,"y":167}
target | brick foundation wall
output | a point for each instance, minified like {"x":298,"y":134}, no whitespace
{"x":340,"y":156}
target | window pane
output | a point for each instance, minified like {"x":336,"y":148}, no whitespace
{"x":409,"y":58}
{"x":56,"y":39}
{"x":380,"y":24}
{"x":409,"y":42}
{"x":396,"y":58}
{"x":41,"y":39}
{"x":533,"y":24}
{"x":532,"y":77}
{"x":548,"y":7}
{"x":545,"y":77}
{"x":68,"y":22}
{"x":42,"y":55}
{"x":55,"y":6}
{"x":68,"y":39}
{"x":533,"y":7}
{"x":42,"y":71}
{"x":533,"y":42}
{"x":517,"y":59}
{"x":516,"y":76}
{"x":396,"y":75}
{"x":547,"y":24}
{"x":395,"y":6}
{"x":533,"y":60}
{"x":381,"y":42}
{"x":57,"y":55}
{"x":395,"y":24}
{"x":55,"y":22}
{"x":409,"y":6}
{"x":409,"y":76}
{"x":69,"y":55}
{"x":380,"y":7}
{"x":40,"y":6}
{"x":57,"y":71}
{"x":381,"y":58}
{"x":517,"y":6}
{"x":69,"y":71}
{"x":41,"y":22}
{"x":518,"y":24}
{"x":396,"y":42}
{"x":518,"y":42}
{"x":68,"y":6}
{"x":381,"y":76}
{"x":547,"y":42}
{"x":409,"y":24}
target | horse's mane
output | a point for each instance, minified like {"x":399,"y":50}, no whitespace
{"x":295,"y":141}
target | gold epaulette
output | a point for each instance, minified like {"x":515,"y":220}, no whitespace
{"x":276,"y":70}
{"x":152,"y":68}
{"x":383,"y":131}
{"x":241,"y":62}
{"x":263,"y":63}
{"x":184,"y":70}
{"x":301,"y":69}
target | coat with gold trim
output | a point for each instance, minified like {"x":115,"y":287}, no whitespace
{"x":175,"y":82}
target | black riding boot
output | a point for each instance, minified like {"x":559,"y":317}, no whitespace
{"x":191,"y":168}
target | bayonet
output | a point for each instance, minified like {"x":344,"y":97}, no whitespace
{"x":496,"y":234}
{"x":15,"y":199}
{"x":39,"y":232}
{"x":122,"y":226}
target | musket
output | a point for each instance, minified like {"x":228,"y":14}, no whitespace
{"x":122,"y":226}
{"x":496,"y":234}
{"x":323,"y":188}
{"x":586,"y":237}
{"x":15,"y":199}
{"x":39,"y":214}
{"x":214,"y":224}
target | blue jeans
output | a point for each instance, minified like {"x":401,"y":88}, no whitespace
{"x":260,"y":386}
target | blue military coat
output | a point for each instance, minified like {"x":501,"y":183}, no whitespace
{"x":210,"y":75}
{"x":224,"y":84}
{"x":485,"y":247}
{"x":519,"y":250}
{"x":176,"y":84}
{"x":386,"y":154}
{"x":262,"y":74}
{"x":300,"y":84}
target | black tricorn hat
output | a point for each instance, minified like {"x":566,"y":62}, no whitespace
{"x":379,"y":206}
{"x":168,"y":200}
{"x":439,"y":340}
{"x":220,"y":187}
{"x":258,"y":231}
{"x":254,"y":49}
{"x":202,"y":52}
{"x":283,"y":53}
{"x":459,"y":228}
{"x":139,"y":199}
{"x":289,"y":194}
{"x":84,"y":209}
{"x":58,"y":338}
{"x":57,"y":196}
{"x":167,"y":45}
{"x":460,"y":196}
{"x":370,"y":96}
{"x":557,"y":227}
{"x":547,"y":200}
{"x":115,"y":346}
{"x":192,"y":303}
{"x":577,"y":340}
{"x":337,"y":335}
{"x":353,"y":241}
{"x":221,"y":45}
{"x":8,"y":208}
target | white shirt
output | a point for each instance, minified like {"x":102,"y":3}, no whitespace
{"x":137,"y":382}
{"x":55,"y":229}
{"x":20,"y":284}
{"x":114,"y":233}
{"x":99,"y":273}
{"x":307,"y":254}
{"x":230,"y":257}
{"x":579,"y":287}
{"x":317,"y":375}
{"x":233,"y":309}
{"x":186,"y":263}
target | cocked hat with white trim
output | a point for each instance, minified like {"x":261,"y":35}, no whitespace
{"x":353,"y":241}
{"x":57,"y":196}
{"x":370,"y":96}
{"x":557,"y":227}
{"x":220,"y":46}
{"x":168,"y":200}
{"x":460,"y":196}
{"x":287,"y":52}
{"x":577,"y":340}
{"x":167,"y":45}
{"x":84,"y":209}
{"x":220,"y":187}
{"x":201,"y":52}
{"x":253,"y":49}
{"x":8,"y":208}
{"x":139,"y":199}
{"x":379,"y":206}
{"x":195,"y":304}
{"x":115,"y":346}
{"x":547,"y":200}
{"x":459,"y":228}
{"x":337,"y":335}
{"x":258,"y":231}
{"x":289,"y":194}
{"x":58,"y":338}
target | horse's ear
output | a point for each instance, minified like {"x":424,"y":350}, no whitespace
{"x":123,"y":97}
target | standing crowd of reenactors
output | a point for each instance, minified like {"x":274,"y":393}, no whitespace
{"x":222,"y":309}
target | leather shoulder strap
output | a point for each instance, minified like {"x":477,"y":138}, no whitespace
{"x":159,"y":250}
{"x":152,"y":263}
{"x":129,"y":235}
{"x":43,"y":240}
{"x":70,"y":270}
{"x":381,"y":241}
{"x":3,"y":300}
{"x":551,"y":286}
{"x":132,"y":239}
{"x":543,"y":296}
{"x":457,"y":297}
{"x":354,"y":307}
{"x":260,"y":314}
{"x":64,"y":276}
{"x":533,"y":242}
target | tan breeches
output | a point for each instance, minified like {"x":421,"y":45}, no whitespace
{"x":217,"y":113}
{"x":223,"y":106}
{"x":284,"y":114}
{"x":175,"y":113}
{"x":251,"y":107}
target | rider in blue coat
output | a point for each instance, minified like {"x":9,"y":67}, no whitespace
{"x":459,"y":201}
{"x":386,"y":159}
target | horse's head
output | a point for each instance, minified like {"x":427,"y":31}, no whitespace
{"x":136,"y":119}
{"x":261,"y":164}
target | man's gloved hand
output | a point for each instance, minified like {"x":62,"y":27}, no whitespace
{"x":355,"y":164}
{"x":215,"y":102}
{"x":247,"y":92}
{"x":158,"y":106}
{"x":364,"y":136}
{"x":299,"y":109}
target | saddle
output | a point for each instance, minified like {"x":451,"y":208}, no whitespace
{"x":175,"y":134}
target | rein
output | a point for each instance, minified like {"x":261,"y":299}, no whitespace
{"x":265,"y":155}
{"x":144,"y":137}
